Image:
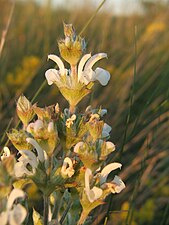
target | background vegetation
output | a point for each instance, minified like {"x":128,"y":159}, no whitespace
{"x":136,"y":97}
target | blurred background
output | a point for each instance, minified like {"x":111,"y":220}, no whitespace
{"x":135,"y":35}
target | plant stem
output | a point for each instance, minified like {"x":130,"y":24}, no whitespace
{"x":46,"y":209}
{"x":74,"y":71}
{"x":83,"y":217}
{"x":72,"y":109}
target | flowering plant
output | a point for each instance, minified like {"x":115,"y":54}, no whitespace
{"x":62,"y":153}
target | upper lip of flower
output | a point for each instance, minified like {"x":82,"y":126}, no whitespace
{"x":87,"y":62}
{"x":94,"y":193}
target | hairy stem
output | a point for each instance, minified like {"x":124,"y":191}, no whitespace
{"x":72,"y":109}
{"x":83,"y":217}
{"x":46,"y":209}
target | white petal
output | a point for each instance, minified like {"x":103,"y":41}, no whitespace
{"x":106,"y":130}
{"x":15,"y":193}
{"x":6,"y":153}
{"x":30,"y":127}
{"x":94,"y":194}
{"x":87,"y":76}
{"x":94,"y":59}
{"x":38,"y":125}
{"x":107,"y":169}
{"x":4,"y":218}
{"x":103,"y":112}
{"x":20,"y":170}
{"x":81,"y":65}
{"x":69,"y":171}
{"x":110,"y":145}
{"x":28,"y":157}
{"x":97,"y":192}
{"x":120,"y":184}
{"x":77,"y":146}
{"x":52,"y":76}
{"x":103,"y":76}
{"x":88,"y":174}
{"x":73,"y":117}
{"x":59,"y":62}
{"x":37,"y":147}
{"x":17,"y":215}
{"x":50,"y":127}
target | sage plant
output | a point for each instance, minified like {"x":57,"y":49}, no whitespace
{"x":61,"y":151}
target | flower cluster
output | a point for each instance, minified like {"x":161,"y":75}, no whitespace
{"x":60,"y":150}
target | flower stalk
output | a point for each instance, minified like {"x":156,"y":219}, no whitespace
{"x":46,"y":209}
{"x":63,"y":152}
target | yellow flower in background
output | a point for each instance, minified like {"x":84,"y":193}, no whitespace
{"x":154,"y":28}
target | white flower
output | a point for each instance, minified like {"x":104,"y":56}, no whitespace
{"x":115,"y":186}
{"x":29,"y":160}
{"x":36,"y":126}
{"x":85,"y":74}
{"x":15,"y":213}
{"x":67,"y":167}
{"x":94,"y":193}
{"x":6,"y":153}
{"x":106,"y":130}
{"x":69,"y":122}
{"x":53,"y":75}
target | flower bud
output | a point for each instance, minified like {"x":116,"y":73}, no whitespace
{"x":24,"y":110}
{"x":18,"y":139}
{"x":95,"y":126}
{"x":45,"y":133}
{"x":72,"y":47}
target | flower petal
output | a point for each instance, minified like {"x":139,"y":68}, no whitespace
{"x":17,"y":215}
{"x":103,"y":76}
{"x":81,"y":65}
{"x":110,"y":145}
{"x":28,"y":157}
{"x":87,"y":76}
{"x":107,"y":169}
{"x":119,"y":184}
{"x":69,"y":171}
{"x":37,"y":147}
{"x":52,"y":76}
{"x":94,"y":193}
{"x":6,"y":153}
{"x":94,"y":59}
{"x":50,"y":127}
{"x":77,"y":146}
{"x":20,"y":170}
{"x":106,"y":130}
{"x":88,"y":174}
{"x":15,"y":193}
{"x":38,"y":125}
{"x":59,"y":62}
{"x":4,"y":218}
